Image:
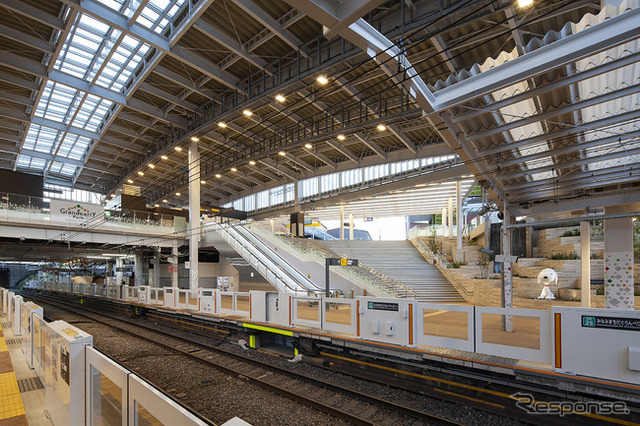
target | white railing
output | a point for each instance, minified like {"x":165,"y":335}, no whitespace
{"x":524,"y":334}
{"x":36,"y":211}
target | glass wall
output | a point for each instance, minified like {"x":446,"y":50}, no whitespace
{"x":335,"y":182}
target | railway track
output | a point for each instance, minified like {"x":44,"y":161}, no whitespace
{"x":350,"y":405}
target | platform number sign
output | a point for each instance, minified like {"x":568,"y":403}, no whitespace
{"x":588,"y":321}
{"x":615,"y":323}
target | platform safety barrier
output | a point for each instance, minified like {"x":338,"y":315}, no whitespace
{"x":83,"y":386}
{"x":523,"y":334}
{"x":117,"y":396}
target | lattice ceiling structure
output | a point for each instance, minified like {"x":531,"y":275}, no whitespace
{"x":539,"y":103}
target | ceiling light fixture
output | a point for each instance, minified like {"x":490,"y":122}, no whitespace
{"x":130,"y":180}
{"x":341,"y":137}
{"x":152,"y":166}
{"x":322,"y":79}
{"x":252,"y":163}
{"x":204,"y":182}
{"x":177,"y":194}
{"x":222,"y":124}
{"x":525,"y":3}
{"x":164,"y":157}
{"x":218,"y":175}
{"x":247,"y":113}
{"x":156,"y":205}
{"x":178,"y":148}
{"x":280,"y":98}
{"x":282,"y":153}
{"x":308,"y":145}
{"x":381,"y":127}
{"x":194,"y":139}
{"x":141,"y":173}
{"x":165,"y":201}
{"x":233,"y":169}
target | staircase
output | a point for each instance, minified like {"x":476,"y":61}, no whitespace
{"x":402,"y":262}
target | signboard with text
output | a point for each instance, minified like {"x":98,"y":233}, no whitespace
{"x":73,"y":211}
{"x":631,"y":324}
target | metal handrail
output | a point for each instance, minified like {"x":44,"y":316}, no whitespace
{"x":444,"y":266}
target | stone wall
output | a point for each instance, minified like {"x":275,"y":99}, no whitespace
{"x":550,"y":243}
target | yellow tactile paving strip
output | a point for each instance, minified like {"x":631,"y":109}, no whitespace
{"x":10,"y":400}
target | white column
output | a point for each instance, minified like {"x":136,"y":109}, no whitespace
{"x":444,"y":220}
{"x":156,"y":271}
{"x":507,"y":273}
{"x":450,"y":209}
{"x":174,"y":264}
{"x":296,"y":195}
{"x":459,"y":215}
{"x":119,"y":273}
{"x":341,"y":223}
{"x":585,"y":256}
{"x":138,"y":270}
{"x":194,"y":213}
{"x":350,"y":226}
{"x":618,"y":263}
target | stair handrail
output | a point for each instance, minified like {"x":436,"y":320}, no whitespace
{"x":289,"y":282}
{"x":254,"y":241}
{"x":362,"y":274}
{"x":444,"y":266}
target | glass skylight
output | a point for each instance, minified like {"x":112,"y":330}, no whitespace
{"x":41,"y":139}
{"x":100,"y":55}
{"x":27,"y":162}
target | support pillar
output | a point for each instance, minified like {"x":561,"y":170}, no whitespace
{"x":119,"y":272}
{"x":138,"y":270}
{"x":585,"y":256}
{"x":174,"y":264}
{"x":618,"y":263}
{"x":350,"y":226}
{"x":109,"y":269}
{"x":459,"y":215}
{"x":444,"y":221}
{"x":507,"y":273}
{"x":450,"y":209}
{"x":194,"y":213}
{"x":341,"y":223}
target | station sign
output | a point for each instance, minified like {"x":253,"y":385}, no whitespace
{"x":334,"y":261}
{"x":630,"y":324}
{"x":383,"y":306}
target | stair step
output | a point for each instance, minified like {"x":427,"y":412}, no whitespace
{"x":400,"y":261}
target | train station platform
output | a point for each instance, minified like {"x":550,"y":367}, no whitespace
{"x":21,"y":391}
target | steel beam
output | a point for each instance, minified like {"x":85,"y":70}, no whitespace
{"x":256,"y":12}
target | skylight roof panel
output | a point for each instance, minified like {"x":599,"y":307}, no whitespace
{"x":113,"y":4}
{"x":56,"y":166}
{"x":67,"y":144}
{"x":68,"y":169}
{"x":145,"y":22}
{"x":23,"y":161}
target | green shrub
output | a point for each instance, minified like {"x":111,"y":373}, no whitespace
{"x":565,"y":256}
{"x":574,"y":233}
